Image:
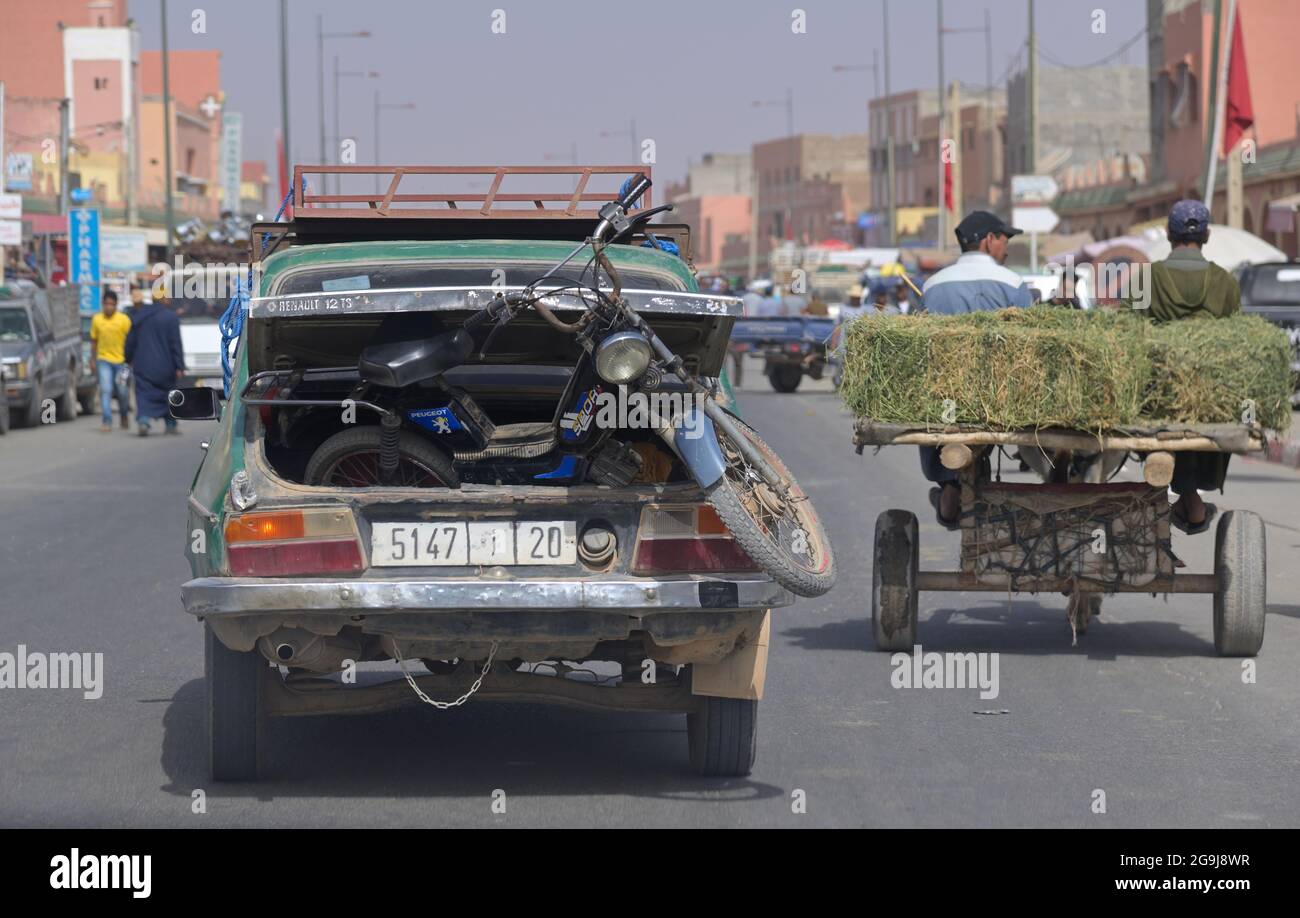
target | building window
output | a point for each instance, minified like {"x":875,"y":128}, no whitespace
{"x":101,"y":82}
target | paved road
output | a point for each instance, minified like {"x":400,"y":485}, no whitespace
{"x":90,"y":560}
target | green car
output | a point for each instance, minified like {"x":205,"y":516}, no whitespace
{"x":607,"y":581}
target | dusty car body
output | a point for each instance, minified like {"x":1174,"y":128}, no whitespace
{"x":40,"y":350}
{"x":308,"y":578}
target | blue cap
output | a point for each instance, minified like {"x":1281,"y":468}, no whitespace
{"x":1189,"y":219}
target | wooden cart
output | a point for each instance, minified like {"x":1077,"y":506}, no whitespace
{"x":1084,"y":537}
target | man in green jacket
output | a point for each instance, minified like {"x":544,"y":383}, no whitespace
{"x":1187,"y":286}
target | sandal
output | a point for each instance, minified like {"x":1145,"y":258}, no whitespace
{"x":1178,"y":520}
{"x":950,"y":525}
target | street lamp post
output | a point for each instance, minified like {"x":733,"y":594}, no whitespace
{"x":338,"y":132}
{"x":321,"y":35}
{"x":874,"y":67}
{"x":379,"y":106}
{"x":788,"y":104}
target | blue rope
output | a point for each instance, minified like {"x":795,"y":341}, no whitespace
{"x":231,"y":322}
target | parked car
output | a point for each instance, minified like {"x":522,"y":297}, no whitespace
{"x":410,"y":469}
{"x":1272,"y":290}
{"x":791,"y":347}
{"x":87,"y":379}
{"x":40,"y":348}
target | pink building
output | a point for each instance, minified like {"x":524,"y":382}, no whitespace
{"x":713,"y":219}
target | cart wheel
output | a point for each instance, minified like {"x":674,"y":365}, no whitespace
{"x":1239,"y":603}
{"x":723,"y":736}
{"x":893,"y":581}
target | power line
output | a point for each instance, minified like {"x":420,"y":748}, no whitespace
{"x":1097,"y":63}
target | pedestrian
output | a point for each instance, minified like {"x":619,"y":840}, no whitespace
{"x":1188,"y":286}
{"x":108,"y":333}
{"x":880,"y":303}
{"x":903,"y":299}
{"x":977,"y":281}
{"x":153,"y":349}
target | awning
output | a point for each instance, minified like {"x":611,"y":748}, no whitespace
{"x":1281,"y":214}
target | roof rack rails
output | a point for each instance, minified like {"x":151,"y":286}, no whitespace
{"x":389,"y":216}
{"x":494,"y":205}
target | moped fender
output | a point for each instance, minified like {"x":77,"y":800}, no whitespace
{"x":691,"y":436}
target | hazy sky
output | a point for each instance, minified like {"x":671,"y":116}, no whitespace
{"x":687,"y":71}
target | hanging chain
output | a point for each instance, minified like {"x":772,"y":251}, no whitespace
{"x":444,"y":705}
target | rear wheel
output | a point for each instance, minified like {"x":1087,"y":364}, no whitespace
{"x":781,"y":532}
{"x":350,"y":459}
{"x":1240,"y":603}
{"x":235,"y":709}
{"x":723,"y":736}
{"x":894,"y":598}
{"x":67,"y":406}
{"x":31,"y":415}
{"x":785,"y":377}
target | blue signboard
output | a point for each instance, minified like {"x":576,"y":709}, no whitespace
{"x":83,"y":255}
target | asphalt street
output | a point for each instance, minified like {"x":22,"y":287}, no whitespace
{"x":91,"y":535}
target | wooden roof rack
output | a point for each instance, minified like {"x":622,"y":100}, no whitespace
{"x":495,"y":204}
{"x":571,"y":216}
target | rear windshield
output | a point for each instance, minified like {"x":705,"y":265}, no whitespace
{"x":1273,"y":285}
{"x":510,"y":274}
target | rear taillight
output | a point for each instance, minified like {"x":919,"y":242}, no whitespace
{"x":282,"y":543}
{"x":686,"y":538}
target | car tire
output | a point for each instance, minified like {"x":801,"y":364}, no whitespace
{"x":723,"y":736}
{"x":785,"y":377}
{"x":31,"y":415}
{"x":1241,"y":600}
{"x":894,"y":596}
{"x":236,"y":713}
{"x":67,"y":407}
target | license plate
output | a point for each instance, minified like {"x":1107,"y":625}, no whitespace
{"x":454,"y":543}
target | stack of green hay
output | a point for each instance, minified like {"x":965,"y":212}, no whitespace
{"x":1053,"y":367}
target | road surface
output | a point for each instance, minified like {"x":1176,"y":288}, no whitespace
{"x":1141,"y":709}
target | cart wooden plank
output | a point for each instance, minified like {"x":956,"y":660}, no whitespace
{"x":1224,"y":438}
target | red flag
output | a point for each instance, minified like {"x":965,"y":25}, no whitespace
{"x":1239,"y":114}
{"x":947,"y":185}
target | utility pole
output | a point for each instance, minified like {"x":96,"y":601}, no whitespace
{"x":320,"y":55}
{"x":890,"y":234}
{"x":1031,"y":139}
{"x":64,"y":140}
{"x":942,"y":210}
{"x":169,"y":179}
{"x":284,"y":90}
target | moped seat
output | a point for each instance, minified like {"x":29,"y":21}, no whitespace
{"x":404,"y":363}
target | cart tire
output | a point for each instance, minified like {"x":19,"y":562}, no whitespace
{"x":1240,"y":603}
{"x":784,"y":377}
{"x":235,"y":709}
{"x":723,"y":736}
{"x":894,"y":597}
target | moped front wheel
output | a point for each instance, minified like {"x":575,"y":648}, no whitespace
{"x":779,"y":530}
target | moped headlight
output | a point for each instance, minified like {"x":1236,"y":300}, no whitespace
{"x":622,"y":357}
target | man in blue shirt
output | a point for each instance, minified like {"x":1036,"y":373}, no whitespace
{"x":976,"y":281}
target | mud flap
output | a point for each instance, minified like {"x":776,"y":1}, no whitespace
{"x":739,"y":675}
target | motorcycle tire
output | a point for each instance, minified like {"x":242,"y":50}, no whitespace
{"x":783,"y":537}
{"x":350,"y":459}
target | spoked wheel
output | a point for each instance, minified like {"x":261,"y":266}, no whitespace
{"x":779,"y":531}
{"x":351,"y":460}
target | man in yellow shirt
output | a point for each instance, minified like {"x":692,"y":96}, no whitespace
{"x":108,"y":332}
